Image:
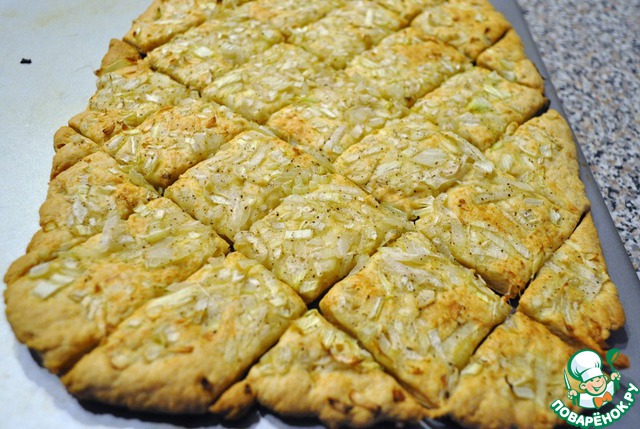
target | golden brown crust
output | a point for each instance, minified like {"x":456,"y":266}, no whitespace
{"x":70,"y":147}
{"x":318,"y":370}
{"x":572,"y":294}
{"x":119,"y":55}
{"x":63,"y":308}
{"x":508,"y":58}
{"x":512,"y":378}
{"x":179,"y":352}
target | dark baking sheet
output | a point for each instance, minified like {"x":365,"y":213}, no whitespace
{"x":620,"y":269}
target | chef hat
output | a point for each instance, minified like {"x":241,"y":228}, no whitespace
{"x":585,"y":364}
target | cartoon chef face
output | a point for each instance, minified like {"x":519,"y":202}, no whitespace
{"x":586,"y":366}
{"x":595,"y":386}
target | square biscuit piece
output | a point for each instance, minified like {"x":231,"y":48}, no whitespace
{"x":334,"y":115}
{"x":406,"y":65}
{"x":267,"y":83}
{"x":179,"y":352}
{"x":248,"y":176}
{"x":63,"y":308}
{"x":287,"y":15}
{"x":407,"y":161}
{"x":512,"y":378}
{"x":311,"y":241}
{"x":572,"y":294}
{"x":497,"y":226}
{"x":135,"y":92}
{"x":542,"y":153}
{"x":210,"y":50}
{"x":174,"y":139}
{"x":319,"y":371}
{"x":508,"y":58}
{"x":164,"y":19}
{"x":80,"y":201}
{"x":469,"y":25}
{"x":418,"y":312}
{"x":479,"y":105}
{"x":347,"y":31}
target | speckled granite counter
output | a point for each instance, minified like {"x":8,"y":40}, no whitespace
{"x":592,"y":51}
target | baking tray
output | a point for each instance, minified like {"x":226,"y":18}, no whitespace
{"x":70,"y":37}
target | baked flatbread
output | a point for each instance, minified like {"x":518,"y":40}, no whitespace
{"x":419,"y":313}
{"x":509,"y":59}
{"x":248,"y":176}
{"x":572,"y":294}
{"x":79,"y":202}
{"x":406,"y":65}
{"x":498,"y":226}
{"x":407,"y":161}
{"x":334,"y":115}
{"x":174,"y":139}
{"x":318,"y":370}
{"x":478,"y":105}
{"x":63,"y":308}
{"x":469,"y":25}
{"x":512,"y":378}
{"x":179,"y":352}
{"x":347,"y":31}
{"x":313,"y":240}
{"x":270,"y":81}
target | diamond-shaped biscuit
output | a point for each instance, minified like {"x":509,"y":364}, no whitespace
{"x":210,"y":50}
{"x":80,"y":201}
{"x":498,"y":226}
{"x":318,"y":370}
{"x":179,"y":352}
{"x":512,"y":378}
{"x":479,"y":105}
{"x":572,"y":294}
{"x":406,"y":65}
{"x":334,"y":115}
{"x":174,"y":139}
{"x":63,"y":308}
{"x":347,"y":31}
{"x":469,"y":25}
{"x":311,"y":241}
{"x":248,"y":176}
{"x":407,"y":161}
{"x":418,"y":312}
